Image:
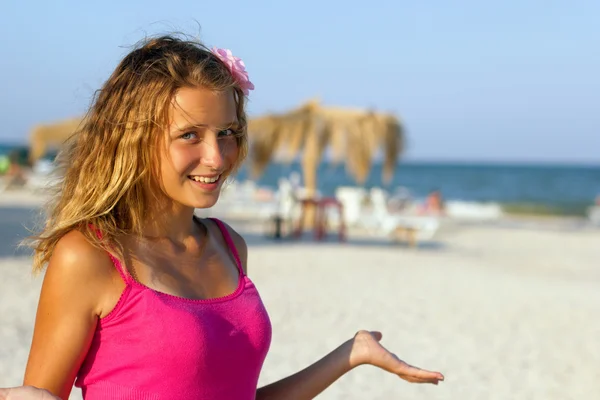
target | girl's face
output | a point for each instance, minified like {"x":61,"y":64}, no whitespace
{"x":200,"y":146}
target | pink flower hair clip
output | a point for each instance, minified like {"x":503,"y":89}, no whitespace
{"x":237,"y":68}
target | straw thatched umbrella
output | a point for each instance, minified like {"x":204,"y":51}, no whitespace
{"x":353,"y":136}
{"x":50,"y":135}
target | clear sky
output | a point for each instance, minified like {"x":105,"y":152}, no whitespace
{"x":511,"y":80}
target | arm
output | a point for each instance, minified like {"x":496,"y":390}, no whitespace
{"x":71,"y":300}
{"x":364,"y":348}
{"x":312,"y":380}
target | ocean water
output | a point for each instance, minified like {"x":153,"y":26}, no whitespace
{"x":538,"y":189}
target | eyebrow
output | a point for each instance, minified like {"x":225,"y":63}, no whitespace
{"x":192,"y":126}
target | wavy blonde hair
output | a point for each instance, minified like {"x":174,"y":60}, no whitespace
{"x":108,"y":165}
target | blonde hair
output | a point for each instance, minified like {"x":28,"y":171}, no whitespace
{"x":108,"y":165}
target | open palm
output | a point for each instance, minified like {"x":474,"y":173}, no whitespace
{"x":368,"y":350}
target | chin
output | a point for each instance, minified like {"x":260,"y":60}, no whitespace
{"x":207,"y":201}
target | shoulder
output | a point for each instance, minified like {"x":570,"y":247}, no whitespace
{"x":75,"y":255}
{"x":240,"y":244}
{"x":74,"y":246}
{"x":238,"y":239}
{"x":80,"y":269}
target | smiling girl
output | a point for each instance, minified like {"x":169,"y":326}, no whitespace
{"x":141,"y":299}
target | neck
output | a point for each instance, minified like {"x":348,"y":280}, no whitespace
{"x":172,"y":221}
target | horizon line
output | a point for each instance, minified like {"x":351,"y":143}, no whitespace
{"x":428,"y":160}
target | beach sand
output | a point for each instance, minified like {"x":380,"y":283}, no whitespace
{"x":505,"y":310}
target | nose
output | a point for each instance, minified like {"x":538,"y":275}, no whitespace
{"x":212,"y":153}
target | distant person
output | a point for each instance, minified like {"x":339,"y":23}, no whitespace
{"x":4,"y":164}
{"x":15,"y":175}
{"x":434,"y":203}
{"x":141,"y":299}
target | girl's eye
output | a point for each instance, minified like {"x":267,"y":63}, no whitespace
{"x":226,"y":132}
{"x":189,"y":135}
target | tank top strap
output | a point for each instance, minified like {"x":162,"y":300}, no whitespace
{"x":127,"y":278}
{"x":125,"y":275}
{"x":229,"y":242}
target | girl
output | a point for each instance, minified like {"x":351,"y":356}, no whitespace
{"x":141,"y":299}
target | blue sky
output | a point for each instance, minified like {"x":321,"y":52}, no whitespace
{"x":472,"y":80}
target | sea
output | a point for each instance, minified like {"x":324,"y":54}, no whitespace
{"x":518,"y":188}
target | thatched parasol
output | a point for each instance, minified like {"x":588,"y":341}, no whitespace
{"x":50,"y":135}
{"x":354,"y":137}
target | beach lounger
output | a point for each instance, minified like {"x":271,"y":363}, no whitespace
{"x":414,"y":228}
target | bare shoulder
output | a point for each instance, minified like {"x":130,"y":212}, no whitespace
{"x":238,"y":239}
{"x":76,"y":256}
{"x":240,"y":245}
{"x":76,"y":263}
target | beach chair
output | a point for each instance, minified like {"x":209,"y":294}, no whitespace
{"x":594,"y":215}
{"x":352,"y":199}
{"x":414,"y":228}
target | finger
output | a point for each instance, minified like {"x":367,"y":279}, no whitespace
{"x":412,"y":379}
{"x":409,"y":370}
{"x":377,"y":335}
{"x":424,"y":381}
{"x":3,"y":394}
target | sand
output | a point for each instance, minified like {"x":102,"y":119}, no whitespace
{"x":505,"y":310}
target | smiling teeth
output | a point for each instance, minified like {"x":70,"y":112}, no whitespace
{"x":204,"y":179}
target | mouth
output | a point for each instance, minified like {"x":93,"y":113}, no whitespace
{"x":204,"y":182}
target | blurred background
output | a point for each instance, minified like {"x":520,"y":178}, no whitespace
{"x":456,"y":180}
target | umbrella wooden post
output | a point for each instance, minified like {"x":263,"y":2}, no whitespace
{"x":309,"y":214}
{"x":310,"y":162}
{"x":323,"y":205}
{"x":308,"y":204}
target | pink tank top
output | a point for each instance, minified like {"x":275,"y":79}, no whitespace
{"x":153,"y":345}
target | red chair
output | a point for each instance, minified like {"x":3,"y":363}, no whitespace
{"x":320,"y":217}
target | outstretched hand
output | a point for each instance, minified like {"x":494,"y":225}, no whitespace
{"x":26,"y":393}
{"x":366,"y":349}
